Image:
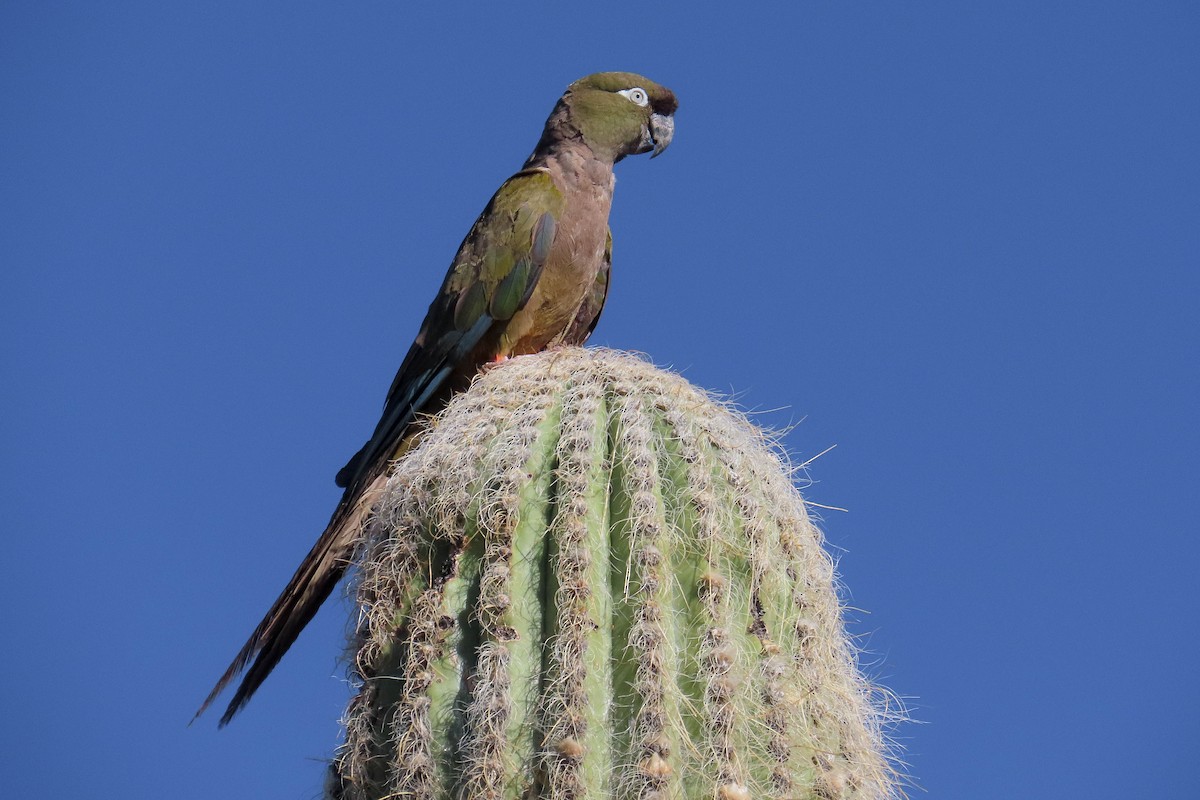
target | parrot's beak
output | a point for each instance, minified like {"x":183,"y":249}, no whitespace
{"x":662,"y":129}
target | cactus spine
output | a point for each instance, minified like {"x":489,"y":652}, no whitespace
{"x":591,"y":581}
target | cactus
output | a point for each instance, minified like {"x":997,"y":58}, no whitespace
{"x":589,"y":580}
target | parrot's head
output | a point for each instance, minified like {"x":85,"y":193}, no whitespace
{"x":620,"y":114}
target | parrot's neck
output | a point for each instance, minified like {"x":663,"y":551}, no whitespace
{"x":563,"y":141}
{"x":575,"y":169}
{"x":575,"y":166}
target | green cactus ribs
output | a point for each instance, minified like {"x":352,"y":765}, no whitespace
{"x":589,"y":580}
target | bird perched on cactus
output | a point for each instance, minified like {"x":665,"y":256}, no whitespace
{"x":532,"y":273}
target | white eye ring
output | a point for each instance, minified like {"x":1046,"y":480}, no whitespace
{"x":636,"y":95}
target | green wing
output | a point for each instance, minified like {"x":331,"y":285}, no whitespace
{"x":494,"y":272}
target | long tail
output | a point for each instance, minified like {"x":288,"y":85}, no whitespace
{"x":313,"y":582}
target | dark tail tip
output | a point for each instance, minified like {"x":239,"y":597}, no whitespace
{"x":346,"y":473}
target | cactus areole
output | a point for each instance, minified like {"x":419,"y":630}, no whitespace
{"x":589,"y":580}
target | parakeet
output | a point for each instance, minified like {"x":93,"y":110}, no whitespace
{"x":532,"y":273}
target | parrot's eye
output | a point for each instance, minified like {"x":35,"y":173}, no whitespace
{"x":636,"y":95}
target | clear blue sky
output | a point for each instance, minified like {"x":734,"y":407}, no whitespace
{"x":960,"y":244}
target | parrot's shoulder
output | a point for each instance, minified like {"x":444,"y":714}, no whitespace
{"x":518,"y":224}
{"x":530,"y":191}
{"x":502,"y":257}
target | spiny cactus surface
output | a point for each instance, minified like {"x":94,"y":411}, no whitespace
{"x":589,"y":580}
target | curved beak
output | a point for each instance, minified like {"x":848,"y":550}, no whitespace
{"x":662,"y":130}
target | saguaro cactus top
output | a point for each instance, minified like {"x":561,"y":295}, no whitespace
{"x":589,"y":580}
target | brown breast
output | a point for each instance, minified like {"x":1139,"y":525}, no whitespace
{"x":575,"y":257}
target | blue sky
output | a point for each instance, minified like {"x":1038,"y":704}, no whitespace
{"x":961,"y":244}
